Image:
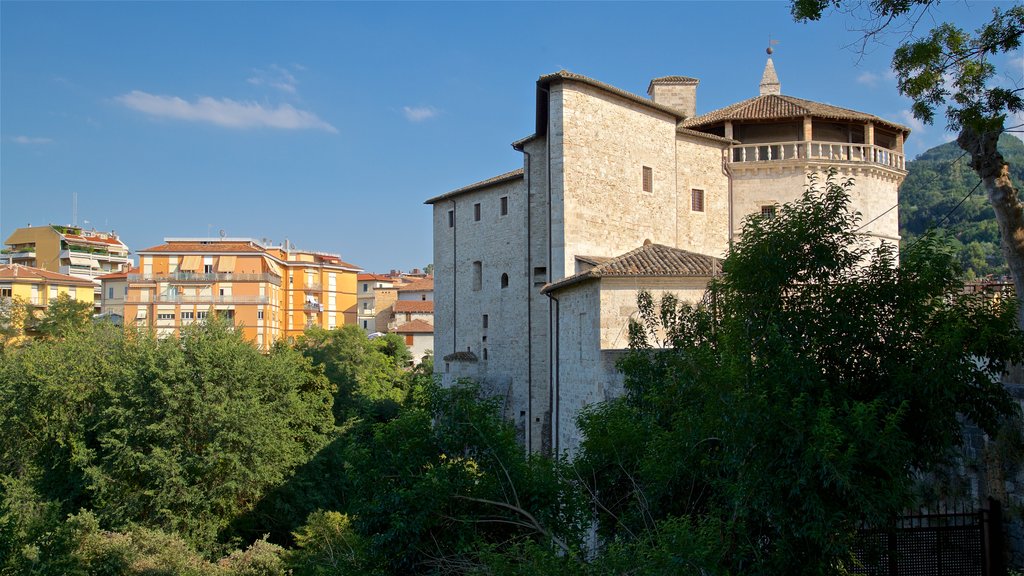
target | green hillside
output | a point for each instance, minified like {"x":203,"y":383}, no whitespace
{"x":938,"y":179}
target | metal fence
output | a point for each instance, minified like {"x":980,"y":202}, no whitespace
{"x":960,"y":543}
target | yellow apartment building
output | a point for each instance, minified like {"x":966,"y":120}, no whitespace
{"x":38,"y":287}
{"x":68,"y":250}
{"x":272,"y":292}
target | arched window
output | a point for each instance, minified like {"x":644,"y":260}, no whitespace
{"x":504,"y":280}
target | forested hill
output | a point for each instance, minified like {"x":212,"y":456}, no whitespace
{"x":939,"y":179}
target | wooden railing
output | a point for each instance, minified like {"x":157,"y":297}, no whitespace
{"x":830,"y":151}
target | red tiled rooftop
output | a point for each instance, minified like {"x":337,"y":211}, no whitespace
{"x":424,"y":285}
{"x":171,"y":247}
{"x":420,"y":306}
{"x":415,"y":327}
{"x":380,"y":277}
{"x":34,"y":275}
{"x":118,"y":275}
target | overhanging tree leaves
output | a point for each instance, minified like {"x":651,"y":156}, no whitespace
{"x":949,"y":67}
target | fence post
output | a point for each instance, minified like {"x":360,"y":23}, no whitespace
{"x":992,"y":534}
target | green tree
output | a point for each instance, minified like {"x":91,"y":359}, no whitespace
{"x":951,"y":69}
{"x":798,"y":399}
{"x":63,"y":315}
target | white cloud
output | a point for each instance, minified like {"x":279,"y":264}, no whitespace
{"x":868,"y":79}
{"x":275,"y":77}
{"x":31,"y":140}
{"x":907,"y":117}
{"x":224,"y":112}
{"x":419,"y":113}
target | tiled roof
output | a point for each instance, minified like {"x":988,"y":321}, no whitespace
{"x":424,"y":285}
{"x":118,"y":275}
{"x":778,"y":106}
{"x":415,"y":327}
{"x":493,"y":181}
{"x":380,"y":277}
{"x":173,"y":247}
{"x":705,"y":135}
{"x":32,"y":275}
{"x":566,"y":75}
{"x":420,"y":306}
{"x":113,"y":241}
{"x":466,"y":356}
{"x":649,"y":260}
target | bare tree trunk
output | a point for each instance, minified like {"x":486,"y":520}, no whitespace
{"x":1002,"y":194}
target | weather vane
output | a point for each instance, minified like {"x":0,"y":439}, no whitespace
{"x":770,"y":43}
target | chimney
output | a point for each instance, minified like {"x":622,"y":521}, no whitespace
{"x":679,"y":92}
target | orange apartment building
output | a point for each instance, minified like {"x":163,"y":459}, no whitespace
{"x":272,"y":292}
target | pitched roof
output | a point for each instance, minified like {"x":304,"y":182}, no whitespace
{"x":110,"y":240}
{"x":415,"y":327}
{"x":647,"y":102}
{"x":11,"y":272}
{"x":380,"y":277}
{"x":778,"y":107}
{"x":203,"y":247}
{"x":649,"y":260}
{"x":492,"y":181}
{"x":466,"y":356}
{"x":424,"y":285}
{"x":420,"y":306}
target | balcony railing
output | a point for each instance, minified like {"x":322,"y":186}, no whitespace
{"x":196,"y":277}
{"x":313,"y":307}
{"x":830,"y":151}
{"x":184,"y":299}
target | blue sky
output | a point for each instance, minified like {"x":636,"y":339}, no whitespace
{"x":330,"y":123}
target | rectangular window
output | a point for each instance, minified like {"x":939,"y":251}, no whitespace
{"x":364,"y":325}
{"x":648,"y":178}
{"x":259,"y":314}
{"x":408,"y":339}
{"x":6,"y":292}
{"x":366,"y":287}
{"x":768,"y":211}
{"x":451,"y":218}
{"x":188,"y":315}
{"x":476,"y":212}
{"x":202,"y":315}
{"x":504,"y":205}
{"x":697,"y":200}
{"x":540,"y":275}
{"x":478,"y":275}
{"x":485,"y":320}
{"x":165,"y":316}
{"x":110,"y":292}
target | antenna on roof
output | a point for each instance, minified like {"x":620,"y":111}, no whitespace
{"x":74,"y":208}
{"x":222,"y":233}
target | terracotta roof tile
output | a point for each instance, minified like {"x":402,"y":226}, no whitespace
{"x":35,"y":275}
{"x":649,"y":260}
{"x":380,"y":277}
{"x":466,"y":356}
{"x":203,"y":247}
{"x":113,"y":241}
{"x":777,"y":107}
{"x":492,"y":181}
{"x":415,"y":327}
{"x":566,"y":75}
{"x":420,"y":306}
{"x":424,"y":285}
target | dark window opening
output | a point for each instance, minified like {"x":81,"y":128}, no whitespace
{"x":697,"y":200}
{"x":768,"y":211}
{"x":476,"y":212}
{"x":504,"y":280}
{"x":504,"y":205}
{"x":451,"y":218}
{"x":648,"y":179}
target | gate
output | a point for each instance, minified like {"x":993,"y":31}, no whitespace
{"x":939,"y":544}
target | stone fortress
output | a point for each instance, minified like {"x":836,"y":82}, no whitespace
{"x":537,"y":270}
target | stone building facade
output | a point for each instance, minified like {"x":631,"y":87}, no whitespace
{"x":606,"y":175}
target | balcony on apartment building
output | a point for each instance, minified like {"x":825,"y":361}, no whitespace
{"x":820,"y":151}
{"x":205,"y":277}
{"x":313,"y":306}
{"x":197,"y":299}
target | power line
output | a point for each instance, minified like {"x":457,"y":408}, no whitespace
{"x":944,"y":218}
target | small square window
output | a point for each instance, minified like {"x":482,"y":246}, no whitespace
{"x":504,"y":205}
{"x":697,"y":200}
{"x":648,"y":179}
{"x":768,"y":211}
{"x":451,"y":218}
{"x":476,"y":212}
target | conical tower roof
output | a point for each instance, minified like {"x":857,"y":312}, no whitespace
{"x":770,"y":80}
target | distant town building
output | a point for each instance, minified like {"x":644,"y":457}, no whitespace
{"x":37,"y":287}
{"x":69,"y":250}
{"x":274,"y":292}
{"x":376,"y":293}
{"x":537,"y":269}
{"x":419,"y":338}
{"x":114,"y":292}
